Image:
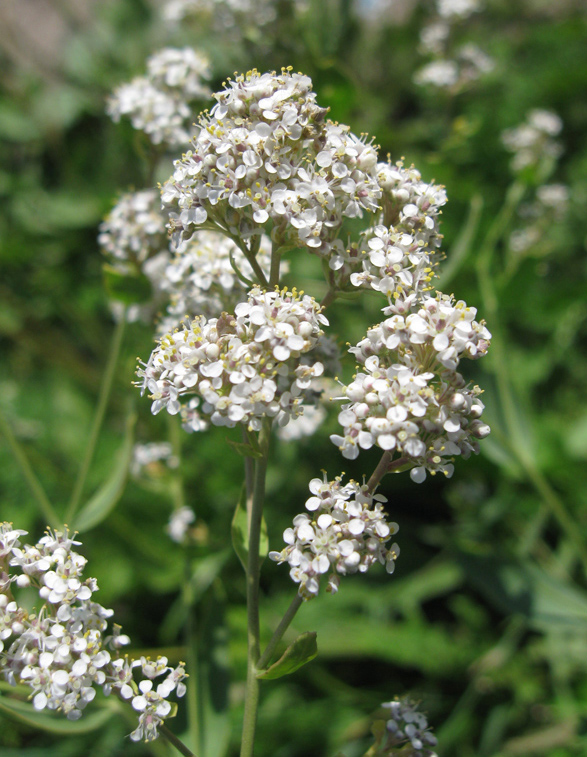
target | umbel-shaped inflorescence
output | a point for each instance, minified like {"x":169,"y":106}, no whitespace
{"x":59,"y":649}
{"x":345,"y":531}
{"x":267,"y":161}
{"x":243,"y":366}
{"x":408,"y":396}
{"x":158,"y":104}
{"x":267,"y":153}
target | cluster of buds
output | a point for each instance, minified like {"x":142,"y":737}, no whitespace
{"x":158,"y":103}
{"x":346,"y":532}
{"x":409,"y":396}
{"x":266,"y":153}
{"x":60,"y":651}
{"x":244,"y":366}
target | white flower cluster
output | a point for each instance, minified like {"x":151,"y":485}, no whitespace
{"x":468,"y":64}
{"x":406,"y":727}
{"x":60,"y":651}
{"x":134,"y":230}
{"x":409,"y":396}
{"x":179,"y":523}
{"x":158,"y":103}
{"x":457,"y":9}
{"x":266,"y":153}
{"x":452,"y":67}
{"x":146,"y":457}
{"x":225,"y":15}
{"x":539,"y":218}
{"x":346,"y":532}
{"x":410,"y":204}
{"x":392,"y":263}
{"x":182,"y":71}
{"x":533,"y":140}
{"x":201,"y":279}
{"x":244,"y":366}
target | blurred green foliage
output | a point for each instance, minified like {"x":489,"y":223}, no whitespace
{"x":485,"y":620}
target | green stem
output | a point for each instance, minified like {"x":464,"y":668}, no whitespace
{"x":284,"y":624}
{"x":49,"y":514}
{"x":253,"y":570}
{"x":103,"y":398}
{"x":275,"y":261}
{"x":177,"y":743}
{"x":329,"y":298}
{"x":177,"y":489}
{"x":385,"y":465}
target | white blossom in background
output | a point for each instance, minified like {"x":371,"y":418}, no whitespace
{"x":539,"y":219}
{"x":469,"y":64}
{"x":243,"y":367}
{"x":442,"y":74}
{"x":201,"y":280}
{"x":182,"y":70}
{"x":345,"y":532}
{"x":60,"y":652}
{"x":455,"y":10}
{"x":406,"y":729}
{"x":554,"y":198}
{"x":408,"y":397}
{"x":179,"y":523}
{"x":533,"y":140}
{"x":434,"y":38}
{"x":225,"y":14}
{"x":453,"y":67}
{"x":134,"y":230}
{"x":265,"y":153}
{"x":306,"y":424}
{"x":159,"y":103}
{"x":147,"y":456}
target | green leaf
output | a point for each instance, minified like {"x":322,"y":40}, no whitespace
{"x":102,"y":503}
{"x":129,"y":288}
{"x":209,"y":655}
{"x":240,"y":532}
{"x":548,"y":603}
{"x":301,"y":651}
{"x":24,"y":712}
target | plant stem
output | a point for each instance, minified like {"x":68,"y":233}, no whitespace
{"x":37,"y":490}
{"x":177,"y":743}
{"x":275,"y":261}
{"x":279,"y":631}
{"x":385,"y":465}
{"x":253,"y":570}
{"x":103,"y":398}
{"x":328,"y":299}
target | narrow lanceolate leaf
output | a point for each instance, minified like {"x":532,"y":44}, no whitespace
{"x":301,"y":651}
{"x":240,"y":532}
{"x":24,"y":712}
{"x":102,"y":503}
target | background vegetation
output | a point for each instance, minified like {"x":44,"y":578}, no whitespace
{"x":485,"y":619}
